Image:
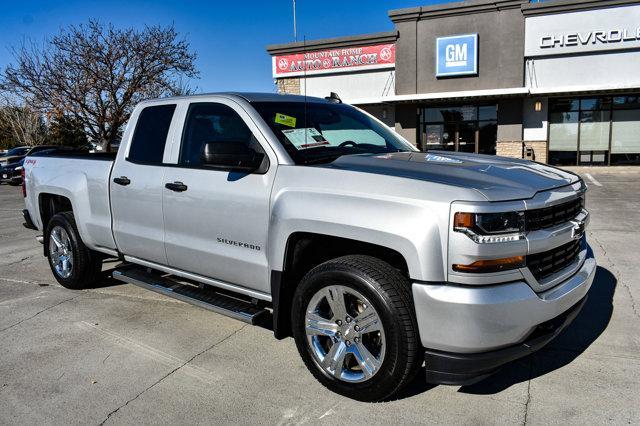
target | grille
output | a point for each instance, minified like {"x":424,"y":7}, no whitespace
{"x":554,"y":215}
{"x":549,"y":262}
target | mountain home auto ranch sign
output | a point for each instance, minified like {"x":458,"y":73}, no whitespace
{"x":613,"y":28}
{"x":335,"y":60}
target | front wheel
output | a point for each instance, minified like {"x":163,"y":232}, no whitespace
{"x":355,"y":328}
{"x":73,"y":264}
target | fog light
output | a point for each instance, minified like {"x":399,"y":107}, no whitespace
{"x":492,"y":265}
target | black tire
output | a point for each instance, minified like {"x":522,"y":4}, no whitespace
{"x":390,"y":294}
{"x":87,"y":264}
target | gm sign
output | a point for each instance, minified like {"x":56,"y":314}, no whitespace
{"x":457,"y":55}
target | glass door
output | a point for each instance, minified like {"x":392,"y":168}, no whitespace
{"x":467,"y":128}
{"x":487,"y":136}
{"x":467,"y":136}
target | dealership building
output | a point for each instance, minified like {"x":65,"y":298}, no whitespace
{"x":557,"y":81}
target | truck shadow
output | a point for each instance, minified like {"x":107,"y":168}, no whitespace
{"x":575,"y":339}
{"x":106,"y":280}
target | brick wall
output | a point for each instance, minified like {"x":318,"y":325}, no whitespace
{"x":511,"y":149}
{"x":514,"y":149}
{"x":289,"y":86}
{"x":539,"y":150}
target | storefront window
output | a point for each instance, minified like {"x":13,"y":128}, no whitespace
{"x":466,"y":128}
{"x":564,"y":105}
{"x":594,"y":136}
{"x":563,"y":138}
{"x":594,"y":104}
{"x":488,"y":112}
{"x":625,"y":137}
{"x":626,"y":102}
{"x":595,"y":131}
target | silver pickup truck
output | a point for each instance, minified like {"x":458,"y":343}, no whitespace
{"x":310,"y":216}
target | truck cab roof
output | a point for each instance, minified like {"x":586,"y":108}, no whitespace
{"x":249,"y":97}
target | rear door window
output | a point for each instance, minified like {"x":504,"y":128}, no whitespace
{"x":150,"y":136}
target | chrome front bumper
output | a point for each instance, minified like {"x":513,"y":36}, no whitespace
{"x":473,"y":319}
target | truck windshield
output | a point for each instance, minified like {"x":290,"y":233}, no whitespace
{"x":321,"y":132}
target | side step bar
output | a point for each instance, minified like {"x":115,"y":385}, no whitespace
{"x":201,"y":295}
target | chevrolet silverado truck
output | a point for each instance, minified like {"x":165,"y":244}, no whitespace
{"x":314,"y":218}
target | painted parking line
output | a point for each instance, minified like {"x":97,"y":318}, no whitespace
{"x":592,"y":179}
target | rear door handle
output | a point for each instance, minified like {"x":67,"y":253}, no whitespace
{"x":176,"y":186}
{"x":122,"y":180}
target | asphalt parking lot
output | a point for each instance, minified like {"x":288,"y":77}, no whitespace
{"x":118,"y":354}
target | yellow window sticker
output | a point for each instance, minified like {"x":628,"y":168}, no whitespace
{"x":285,"y":120}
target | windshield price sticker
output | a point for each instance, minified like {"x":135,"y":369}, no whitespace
{"x":285,"y":120}
{"x":305,"y":138}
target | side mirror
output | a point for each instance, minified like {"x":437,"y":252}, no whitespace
{"x":231,"y":155}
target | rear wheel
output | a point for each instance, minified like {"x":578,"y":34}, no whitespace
{"x":355,"y":328}
{"x":73,"y":265}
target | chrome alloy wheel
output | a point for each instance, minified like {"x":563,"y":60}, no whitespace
{"x":345,"y":334}
{"x":60,"y":252}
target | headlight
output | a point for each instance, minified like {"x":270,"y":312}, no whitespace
{"x":18,"y":168}
{"x":490,"y":227}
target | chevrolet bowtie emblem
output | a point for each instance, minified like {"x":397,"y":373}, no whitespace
{"x":578,"y":229}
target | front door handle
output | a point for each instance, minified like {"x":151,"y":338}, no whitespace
{"x":122,"y":180}
{"x":176,"y":186}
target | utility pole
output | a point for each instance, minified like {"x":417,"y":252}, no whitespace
{"x":295,"y":33}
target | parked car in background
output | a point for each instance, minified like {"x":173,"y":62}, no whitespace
{"x":12,"y":173}
{"x":14,"y":154}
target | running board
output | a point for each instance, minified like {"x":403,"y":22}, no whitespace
{"x":201,"y":295}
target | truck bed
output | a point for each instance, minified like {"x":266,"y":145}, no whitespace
{"x":77,"y":154}
{"x":81,"y":177}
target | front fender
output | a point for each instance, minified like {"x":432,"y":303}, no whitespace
{"x":409,"y":228}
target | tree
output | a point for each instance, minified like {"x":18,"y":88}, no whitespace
{"x":26,"y":126}
{"x":96,"y":74}
{"x":6,"y":138}
{"x":66,"y":130}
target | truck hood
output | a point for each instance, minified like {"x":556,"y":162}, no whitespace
{"x":496,"y":178}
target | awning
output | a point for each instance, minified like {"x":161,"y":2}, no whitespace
{"x":436,"y":96}
{"x":584,"y":89}
{"x":496,"y":93}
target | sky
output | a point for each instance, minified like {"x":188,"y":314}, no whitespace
{"x":229,"y":37}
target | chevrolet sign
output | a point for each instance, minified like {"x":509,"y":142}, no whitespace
{"x":590,"y":37}
{"x":602,"y":29}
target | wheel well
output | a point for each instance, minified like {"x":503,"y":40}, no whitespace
{"x":304,"y":251}
{"x":50,"y":205}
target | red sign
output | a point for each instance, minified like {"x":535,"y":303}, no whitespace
{"x":335,"y":60}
